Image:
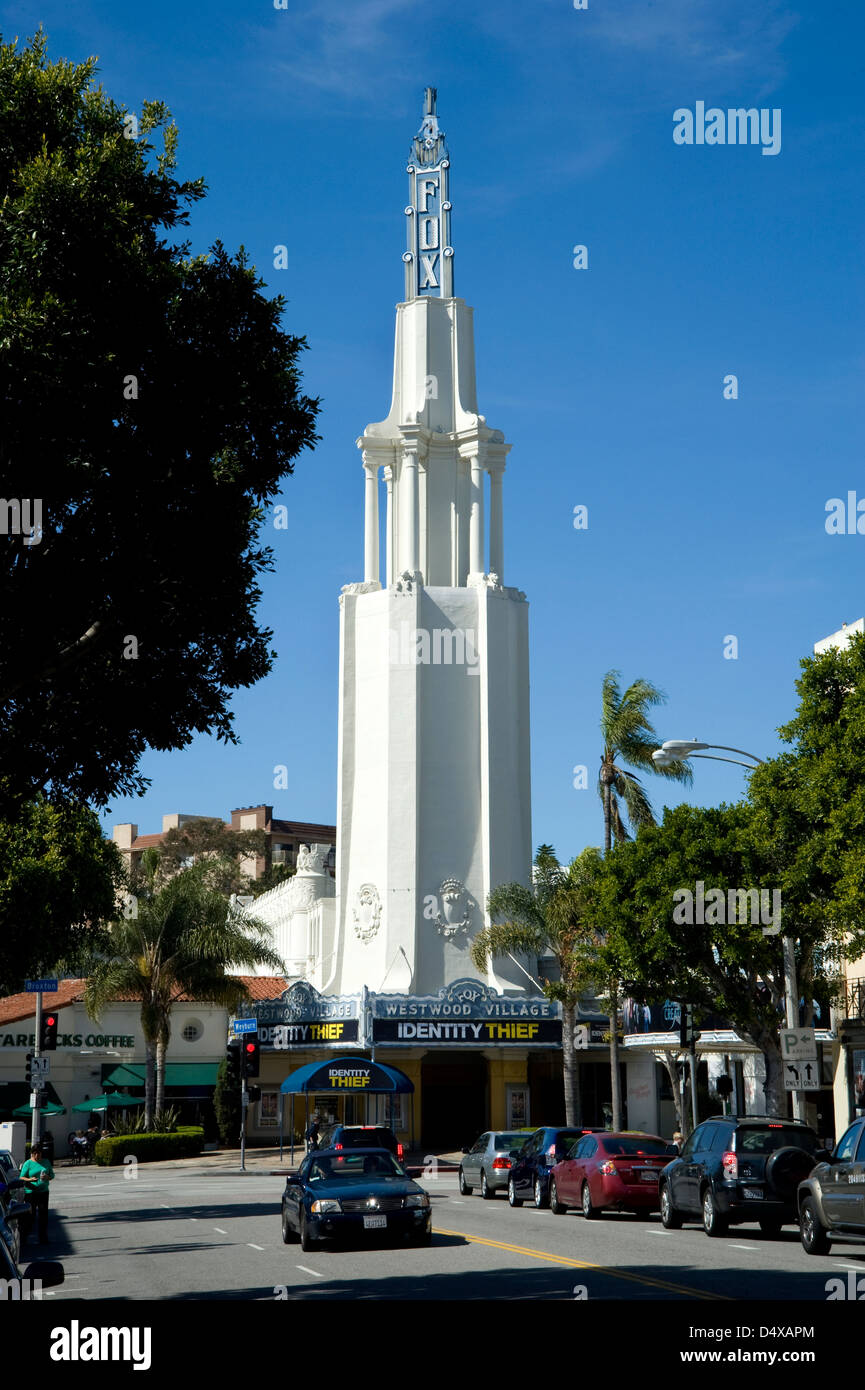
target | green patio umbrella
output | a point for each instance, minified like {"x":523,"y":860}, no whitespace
{"x":117,"y":1100}
{"x":49,"y":1108}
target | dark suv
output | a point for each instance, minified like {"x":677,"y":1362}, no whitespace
{"x":530,"y":1175}
{"x":360,"y":1137}
{"x":832,"y":1197}
{"x":739,"y":1168}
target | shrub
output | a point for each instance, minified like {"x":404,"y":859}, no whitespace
{"x":147,"y":1148}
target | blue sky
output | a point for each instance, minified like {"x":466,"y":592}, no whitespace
{"x":706,"y":516}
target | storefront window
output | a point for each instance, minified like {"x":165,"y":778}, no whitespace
{"x":857,"y":1068}
{"x":268,"y":1110}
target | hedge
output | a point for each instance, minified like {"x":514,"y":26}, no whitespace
{"x":146,"y":1147}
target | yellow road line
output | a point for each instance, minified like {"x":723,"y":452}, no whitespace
{"x":587,"y":1264}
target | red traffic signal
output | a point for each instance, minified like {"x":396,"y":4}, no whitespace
{"x":48,"y":1033}
{"x":250,"y":1053}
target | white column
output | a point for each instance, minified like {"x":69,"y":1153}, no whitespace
{"x":370,"y":542}
{"x":388,"y":539}
{"x":476,"y":523}
{"x":410,"y":512}
{"x":497,"y":535}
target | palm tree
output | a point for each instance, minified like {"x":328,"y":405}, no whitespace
{"x":628,"y":738}
{"x":551,"y":918}
{"x":181,"y":940}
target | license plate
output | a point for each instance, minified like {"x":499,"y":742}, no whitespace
{"x":753,"y":1193}
{"x":649,"y":1175}
{"x":374,"y":1223}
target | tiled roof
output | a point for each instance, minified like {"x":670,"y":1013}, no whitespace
{"x":16,"y":1007}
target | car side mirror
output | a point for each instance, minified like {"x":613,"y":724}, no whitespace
{"x":823,"y":1155}
{"x":465,"y":1149}
{"x":50,"y":1273}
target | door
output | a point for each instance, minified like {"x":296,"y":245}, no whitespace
{"x":472,"y":1160}
{"x":524,"y":1168}
{"x":569,"y":1178}
{"x":686,"y":1180}
{"x":842,"y":1197}
{"x":857,"y":1180}
{"x":294,"y":1194}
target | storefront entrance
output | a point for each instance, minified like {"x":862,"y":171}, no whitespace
{"x":455,"y":1102}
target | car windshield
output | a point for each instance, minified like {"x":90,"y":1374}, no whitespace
{"x":639,"y":1146}
{"x":508,"y":1141}
{"x":766,"y":1139}
{"x":355,"y":1167}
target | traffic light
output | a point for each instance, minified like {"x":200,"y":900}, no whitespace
{"x":48,"y":1035}
{"x":29,"y":1073}
{"x":254,"y":1093}
{"x":251,"y":1054}
{"x":232,"y":1048}
{"x":687,"y":1031}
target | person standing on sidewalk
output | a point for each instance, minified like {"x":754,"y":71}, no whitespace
{"x":37,"y":1173}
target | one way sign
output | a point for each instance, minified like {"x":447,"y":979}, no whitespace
{"x":801,"y":1076}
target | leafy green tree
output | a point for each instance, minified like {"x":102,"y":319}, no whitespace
{"x":733,"y":968}
{"x":59,"y":882}
{"x":152,"y":408}
{"x":810,"y":814}
{"x":551,"y":918}
{"x":628,"y":738}
{"x":181,"y":939}
{"x":217,"y":848}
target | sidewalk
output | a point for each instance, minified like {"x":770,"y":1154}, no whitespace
{"x":258,"y":1161}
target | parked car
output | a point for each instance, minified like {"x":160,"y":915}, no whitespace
{"x":488,"y":1162}
{"x":618,"y":1170}
{"x":49,"y":1273}
{"x":342,"y":1193}
{"x":532,"y":1164}
{"x":832,"y":1197}
{"x":14,"y":1207}
{"x":360,"y":1137}
{"x":739,"y":1168}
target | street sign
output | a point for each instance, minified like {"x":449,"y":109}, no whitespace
{"x":581,"y":1036}
{"x":245,"y":1025}
{"x":244,"y":1099}
{"x":798,"y":1044}
{"x":802,"y":1076}
{"x":40,"y":986}
{"x":40,"y":1066}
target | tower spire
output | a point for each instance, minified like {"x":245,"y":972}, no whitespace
{"x":429,"y":257}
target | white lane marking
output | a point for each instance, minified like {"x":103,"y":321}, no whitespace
{"x":167,"y":1207}
{"x":310,"y":1271}
{"x":744,"y":1247}
{"x":220,"y":1230}
{"x":653,"y":1231}
{"x":254,"y":1247}
{"x":459,"y":1204}
{"x":858,"y":1268}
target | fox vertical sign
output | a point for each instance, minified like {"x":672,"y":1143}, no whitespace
{"x":429,"y":257}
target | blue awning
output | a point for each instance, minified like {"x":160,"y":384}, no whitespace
{"x":346,"y":1076}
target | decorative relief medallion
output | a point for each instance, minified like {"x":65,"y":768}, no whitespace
{"x":366,"y":911}
{"x":456,"y":909}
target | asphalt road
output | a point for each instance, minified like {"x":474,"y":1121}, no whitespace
{"x":194,"y":1234}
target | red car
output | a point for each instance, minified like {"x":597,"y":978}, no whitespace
{"x":610,"y":1170}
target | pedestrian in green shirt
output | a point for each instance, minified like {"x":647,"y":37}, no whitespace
{"x":37,"y":1173}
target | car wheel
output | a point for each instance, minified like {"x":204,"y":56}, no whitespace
{"x":487,"y":1192}
{"x":714,"y":1224}
{"x":590,"y":1211}
{"x":558,"y":1208}
{"x":540,"y":1197}
{"x":306,"y":1241}
{"x":770,"y":1226}
{"x":513,"y":1199}
{"x":465,"y":1190}
{"x":670,"y":1218}
{"x":815,"y":1237}
{"x":288,"y":1234}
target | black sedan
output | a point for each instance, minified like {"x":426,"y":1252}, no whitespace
{"x":361,"y":1193}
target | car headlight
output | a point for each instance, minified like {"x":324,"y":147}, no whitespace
{"x":324,"y":1206}
{"x":417,"y":1199}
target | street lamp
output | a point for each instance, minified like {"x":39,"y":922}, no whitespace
{"x":682,"y":749}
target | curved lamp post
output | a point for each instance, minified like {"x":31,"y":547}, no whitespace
{"x":680,"y":749}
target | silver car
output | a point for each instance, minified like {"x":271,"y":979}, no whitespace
{"x":487,"y":1163}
